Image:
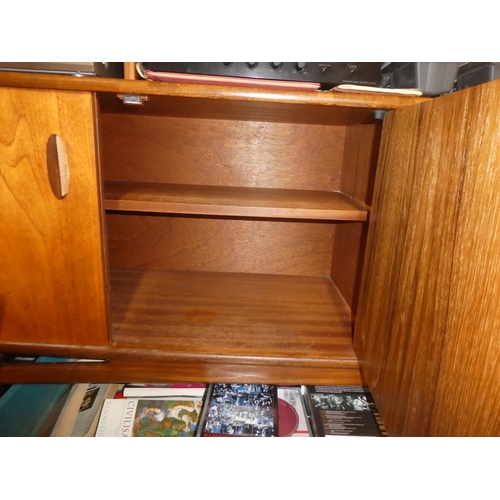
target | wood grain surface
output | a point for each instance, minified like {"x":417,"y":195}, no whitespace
{"x":426,"y":336}
{"x":51,"y":252}
{"x":468,"y":391}
{"x":173,"y":326}
{"x":296,"y":317}
{"x":357,"y":180}
{"x":157,"y":242}
{"x":221,"y":152}
{"x":140,"y":369}
{"x":210,"y":92}
{"x":231,"y":201}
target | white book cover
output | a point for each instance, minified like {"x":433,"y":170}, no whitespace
{"x":117,"y":418}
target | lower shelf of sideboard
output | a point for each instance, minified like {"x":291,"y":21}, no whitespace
{"x":231,"y":314}
{"x":212,"y":327}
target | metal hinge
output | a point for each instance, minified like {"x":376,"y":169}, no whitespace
{"x":136,"y":100}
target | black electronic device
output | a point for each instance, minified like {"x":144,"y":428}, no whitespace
{"x":475,"y":73}
{"x":432,"y":78}
{"x":327,"y":74}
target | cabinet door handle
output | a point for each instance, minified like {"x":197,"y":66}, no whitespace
{"x":57,"y":166}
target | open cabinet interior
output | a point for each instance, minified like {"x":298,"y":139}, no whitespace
{"x":229,"y":230}
{"x":219,"y":234}
{"x":236,"y":230}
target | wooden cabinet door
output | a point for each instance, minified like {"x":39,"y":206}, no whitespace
{"x":51,"y":249}
{"x":427,"y":334}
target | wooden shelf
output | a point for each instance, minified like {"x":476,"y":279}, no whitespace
{"x":243,"y":318}
{"x":218,"y":101}
{"x":232,"y":201}
{"x":202,"y":91}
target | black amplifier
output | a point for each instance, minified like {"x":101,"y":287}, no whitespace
{"x":327,"y":74}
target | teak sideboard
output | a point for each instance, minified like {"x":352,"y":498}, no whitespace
{"x":182,"y":232}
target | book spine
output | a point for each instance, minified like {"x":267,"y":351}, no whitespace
{"x":311,"y":421}
{"x":206,"y":405}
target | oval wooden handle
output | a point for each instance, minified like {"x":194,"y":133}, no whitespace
{"x":57,"y":166}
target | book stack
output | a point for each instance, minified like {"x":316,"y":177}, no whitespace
{"x":81,"y":413}
{"x":239,"y":410}
{"x":211,"y":410}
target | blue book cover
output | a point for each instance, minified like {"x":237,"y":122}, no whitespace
{"x":26,"y":408}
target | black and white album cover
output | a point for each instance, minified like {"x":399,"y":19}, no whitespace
{"x":241,"y":410}
{"x":343,"y":411}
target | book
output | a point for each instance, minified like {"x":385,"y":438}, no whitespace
{"x":134,"y":417}
{"x":240,"y":410}
{"x":166,"y":76}
{"x":162,"y":390}
{"x":31,"y":410}
{"x":342,"y":410}
{"x":377,"y":90}
{"x":80,"y":414}
{"x":292,"y":415}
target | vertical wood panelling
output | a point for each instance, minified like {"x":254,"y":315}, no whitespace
{"x":405,"y":293}
{"x":468,"y":392}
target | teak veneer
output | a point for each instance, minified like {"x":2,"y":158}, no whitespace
{"x":231,"y":201}
{"x":251,"y":235}
{"x":232,"y":223}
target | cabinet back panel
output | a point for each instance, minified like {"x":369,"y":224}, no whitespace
{"x":219,"y":245}
{"x":221,"y":152}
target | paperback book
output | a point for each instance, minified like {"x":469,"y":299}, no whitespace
{"x":80,"y":414}
{"x":134,"y":417}
{"x":163,"y":390}
{"x":240,"y":410}
{"x":342,"y":411}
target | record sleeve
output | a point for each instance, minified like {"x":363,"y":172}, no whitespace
{"x":241,"y":410}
